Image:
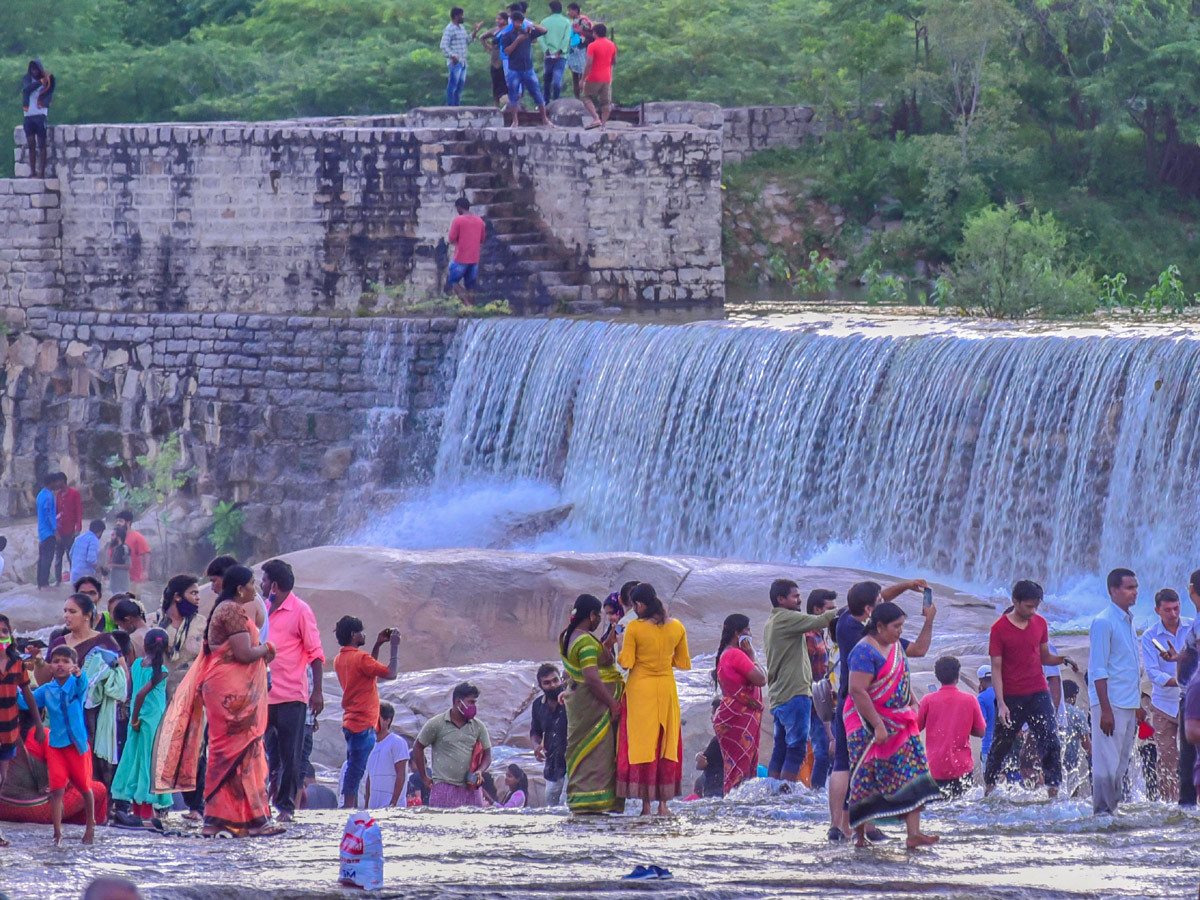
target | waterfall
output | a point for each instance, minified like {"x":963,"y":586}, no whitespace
{"x":982,"y":457}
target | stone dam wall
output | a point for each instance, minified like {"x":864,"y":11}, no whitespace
{"x":291,"y":416}
{"x":312,"y":216}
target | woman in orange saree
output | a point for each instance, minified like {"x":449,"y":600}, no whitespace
{"x":228,"y":685}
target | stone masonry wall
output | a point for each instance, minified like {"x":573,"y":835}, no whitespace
{"x":31,"y":252}
{"x":750,"y":129}
{"x":291,"y":415}
{"x":642,"y":208}
{"x":290,"y":218}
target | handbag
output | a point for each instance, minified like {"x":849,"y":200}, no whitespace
{"x":822,"y":694}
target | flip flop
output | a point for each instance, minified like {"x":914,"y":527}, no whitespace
{"x":660,"y":872}
{"x":221,"y":833}
{"x":590,"y":125}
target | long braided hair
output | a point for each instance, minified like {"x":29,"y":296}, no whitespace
{"x":734,"y":624}
{"x":585,"y":606}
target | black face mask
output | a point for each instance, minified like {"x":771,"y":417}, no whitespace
{"x":553,"y":693}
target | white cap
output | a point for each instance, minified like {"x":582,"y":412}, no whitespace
{"x":984,"y":672}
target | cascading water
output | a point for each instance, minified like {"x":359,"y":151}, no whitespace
{"x":985,"y":458}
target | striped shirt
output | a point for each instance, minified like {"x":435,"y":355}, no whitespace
{"x":13,"y":677}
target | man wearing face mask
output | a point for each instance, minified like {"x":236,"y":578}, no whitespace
{"x":548,"y":731}
{"x":461,"y":752}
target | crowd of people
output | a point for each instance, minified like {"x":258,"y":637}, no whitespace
{"x":124,"y":714}
{"x":570,"y":41}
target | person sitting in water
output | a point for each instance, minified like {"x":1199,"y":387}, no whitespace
{"x":314,"y":795}
{"x":516,"y":784}
{"x":950,"y":718}
{"x":461,"y":752}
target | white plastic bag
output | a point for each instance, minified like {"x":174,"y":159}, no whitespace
{"x":362,"y":853}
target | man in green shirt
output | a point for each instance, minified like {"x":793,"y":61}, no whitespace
{"x":461,"y":750}
{"x":789,"y":677}
{"x":556,"y":42}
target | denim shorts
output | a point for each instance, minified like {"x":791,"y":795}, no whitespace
{"x":467,"y":273}
{"x":527,"y":80}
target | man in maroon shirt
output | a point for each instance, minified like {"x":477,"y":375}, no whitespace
{"x":69,"y":505}
{"x":466,"y":234}
{"x":1019,"y":646}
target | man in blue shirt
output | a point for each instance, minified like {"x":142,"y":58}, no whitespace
{"x":517,"y":46}
{"x":47,"y":519}
{"x":85,"y":552}
{"x":1114,"y":691}
{"x":987,"y":705}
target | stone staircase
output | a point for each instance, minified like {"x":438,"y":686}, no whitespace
{"x":522,"y":261}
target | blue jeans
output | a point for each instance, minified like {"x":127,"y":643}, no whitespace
{"x":358,"y":747}
{"x":819,"y":732}
{"x":524,"y":79}
{"x":456,"y":79}
{"x":553,"y":77}
{"x":467,"y":273}
{"x":791,"y":737}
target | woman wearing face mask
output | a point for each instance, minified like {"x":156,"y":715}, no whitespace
{"x":181,"y":619}
{"x":461,"y":751}
{"x":737,"y":722}
{"x":593,"y":711}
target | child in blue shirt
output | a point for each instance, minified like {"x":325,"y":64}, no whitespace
{"x":68,"y":757}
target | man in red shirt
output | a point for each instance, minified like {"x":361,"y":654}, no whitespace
{"x":467,"y":233}
{"x":69,"y":505}
{"x":1019,"y":646}
{"x":597,"y":76}
{"x":139,"y":548}
{"x":950,"y":718}
{"x":358,"y":673}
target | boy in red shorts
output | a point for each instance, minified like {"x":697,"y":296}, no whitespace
{"x":68,"y":758}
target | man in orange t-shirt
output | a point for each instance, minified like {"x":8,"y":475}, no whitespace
{"x":139,"y":548}
{"x":358,"y":673}
{"x":597,"y":76}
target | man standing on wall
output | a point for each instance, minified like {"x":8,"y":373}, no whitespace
{"x":293,"y":629}
{"x":1169,"y":633}
{"x":37,"y":90}
{"x":467,"y":233}
{"x":517,"y":45}
{"x":557,"y":44}
{"x":139,"y":549}
{"x":454,"y":47}
{"x":597,"y":77}
{"x":581,"y":36}
{"x":47,"y":519}
{"x":1114,"y":678}
{"x":70,"y":524}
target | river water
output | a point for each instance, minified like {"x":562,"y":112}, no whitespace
{"x":749,"y":846}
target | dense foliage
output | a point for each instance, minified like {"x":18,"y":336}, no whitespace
{"x":1089,"y":109}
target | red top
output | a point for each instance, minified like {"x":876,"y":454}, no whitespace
{"x":466,"y":234}
{"x":732,"y":670}
{"x":948,"y":717}
{"x":1020,"y":652}
{"x":602,"y":52}
{"x":358,"y":673}
{"x":70,"y":512}
{"x":139,"y":555}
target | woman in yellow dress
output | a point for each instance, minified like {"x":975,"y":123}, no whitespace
{"x":649,"y":761}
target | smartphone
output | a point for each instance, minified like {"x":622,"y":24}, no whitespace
{"x":928,"y":598}
{"x":1157,"y":646}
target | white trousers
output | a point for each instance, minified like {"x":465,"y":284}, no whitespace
{"x":1110,"y":758}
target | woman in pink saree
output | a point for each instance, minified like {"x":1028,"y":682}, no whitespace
{"x":228,"y":686}
{"x":889,"y":775}
{"x":737,"y":721}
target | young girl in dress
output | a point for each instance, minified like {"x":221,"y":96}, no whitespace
{"x":134,"y":773}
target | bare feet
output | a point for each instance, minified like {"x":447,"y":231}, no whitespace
{"x":918,"y":840}
{"x":58,"y":839}
{"x":192,"y":816}
{"x":860,"y":837}
{"x":662,"y":809}
{"x":285,"y":817}
{"x":645,"y":808}
{"x":89,"y":836}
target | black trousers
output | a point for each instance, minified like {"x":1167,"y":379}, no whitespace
{"x":62,"y":551}
{"x":1187,"y":764}
{"x":284,"y":742}
{"x":1038,"y":711}
{"x":45,"y":560}
{"x":195,"y":799}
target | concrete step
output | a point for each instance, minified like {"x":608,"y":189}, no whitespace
{"x":503,"y":225}
{"x":526,"y":266}
{"x":584,"y":306}
{"x":533,"y":250}
{"x":520,"y":237}
{"x":488,"y":195}
{"x":565,"y":276}
{"x":481,"y":180}
{"x":565,"y":293}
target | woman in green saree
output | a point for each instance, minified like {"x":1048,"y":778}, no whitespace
{"x":593,"y":711}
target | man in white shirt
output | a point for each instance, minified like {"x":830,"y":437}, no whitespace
{"x":386,"y":765}
{"x":1114,"y":677}
{"x":1168,"y":633}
